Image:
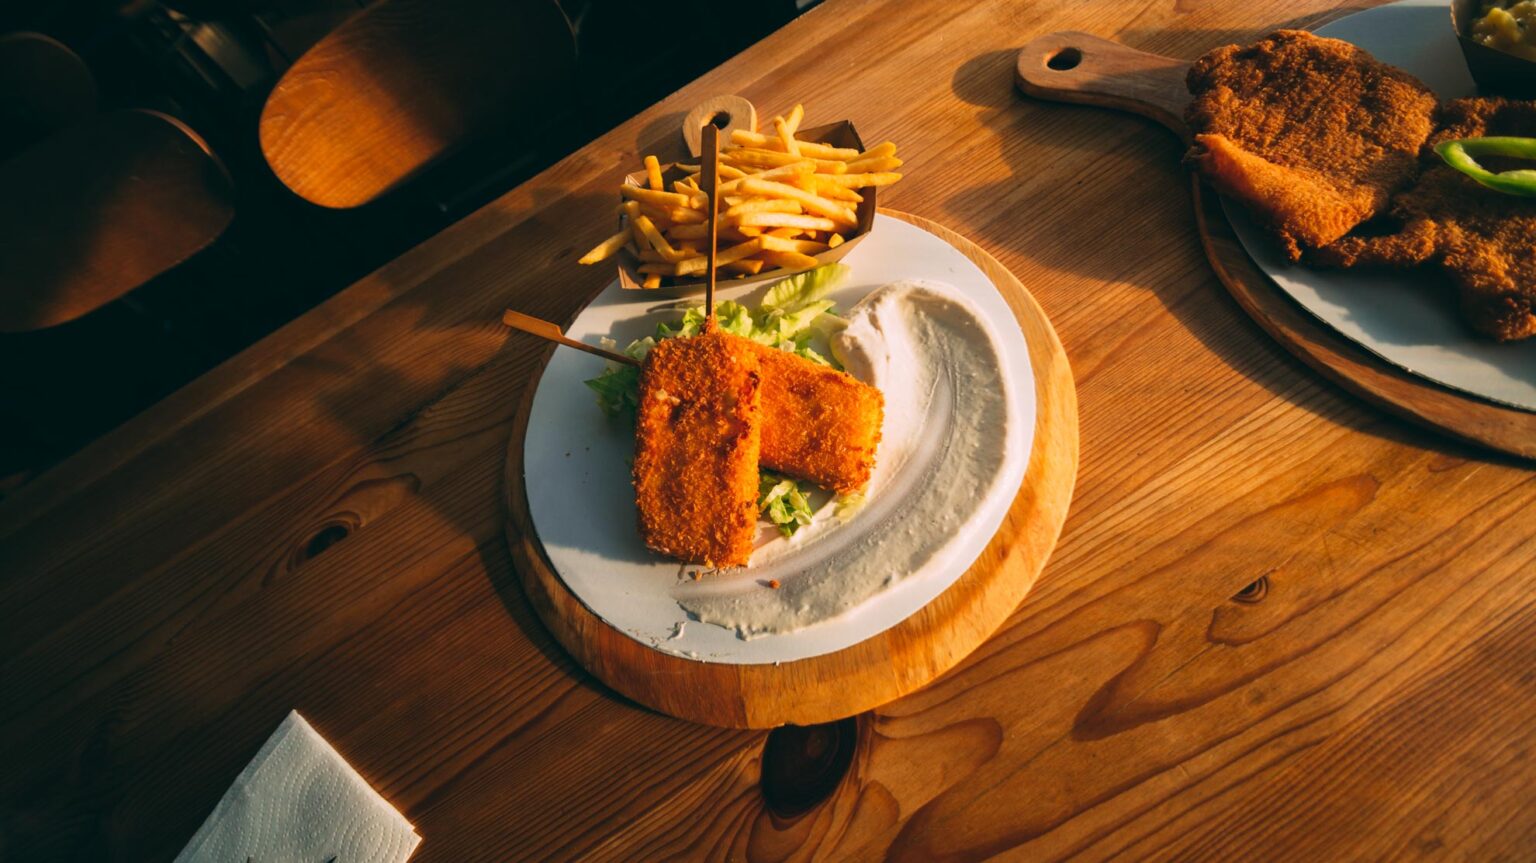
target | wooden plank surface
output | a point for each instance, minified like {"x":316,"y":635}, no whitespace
{"x":315,"y":525}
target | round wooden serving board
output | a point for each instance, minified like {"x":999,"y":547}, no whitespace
{"x":1083,"y":69}
{"x":877,"y":670}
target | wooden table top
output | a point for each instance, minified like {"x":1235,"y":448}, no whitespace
{"x":1278,"y":624}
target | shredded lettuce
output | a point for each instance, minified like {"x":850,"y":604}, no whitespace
{"x":781,"y":502}
{"x":848,"y":505}
{"x":618,"y":387}
{"x":802,"y":289}
{"x":792,"y":316}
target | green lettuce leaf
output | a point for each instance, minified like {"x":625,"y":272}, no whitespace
{"x":618,"y":387}
{"x":781,"y":502}
{"x":802,"y":289}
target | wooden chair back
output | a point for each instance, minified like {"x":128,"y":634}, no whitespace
{"x":44,"y":87}
{"x":403,"y":83}
{"x":100,"y":208}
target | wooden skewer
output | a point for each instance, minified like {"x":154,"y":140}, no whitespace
{"x":710,"y":170}
{"x":551,"y":331}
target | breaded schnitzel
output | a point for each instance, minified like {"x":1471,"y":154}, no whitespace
{"x":698,"y":432}
{"x":1312,"y":134}
{"x":1485,"y":240}
{"x":819,"y":424}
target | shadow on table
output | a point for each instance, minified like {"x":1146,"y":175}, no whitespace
{"x":464,"y":409}
{"x":1099,"y":245}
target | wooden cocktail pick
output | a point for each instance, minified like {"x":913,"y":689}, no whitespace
{"x":551,"y":331}
{"x":711,"y":177}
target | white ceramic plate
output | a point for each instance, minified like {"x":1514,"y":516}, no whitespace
{"x":576,"y":469}
{"x":1408,"y":318}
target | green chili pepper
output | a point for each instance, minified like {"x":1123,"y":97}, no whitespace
{"x":1461,"y":155}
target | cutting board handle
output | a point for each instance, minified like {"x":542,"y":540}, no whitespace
{"x":1076,"y":67}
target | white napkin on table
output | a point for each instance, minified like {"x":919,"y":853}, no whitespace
{"x":299,"y":801}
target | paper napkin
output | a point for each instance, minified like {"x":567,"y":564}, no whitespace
{"x":300,"y":801}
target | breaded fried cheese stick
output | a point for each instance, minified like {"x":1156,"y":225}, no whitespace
{"x":698,"y":435}
{"x":819,"y":424}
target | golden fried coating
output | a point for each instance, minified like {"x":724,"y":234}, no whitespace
{"x":698,"y":432}
{"x":1485,"y":240}
{"x":1312,"y":134}
{"x":819,"y":424}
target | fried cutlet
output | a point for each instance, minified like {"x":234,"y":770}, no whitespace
{"x":1483,"y":239}
{"x":819,"y":424}
{"x":698,"y":433}
{"x":1312,"y":134}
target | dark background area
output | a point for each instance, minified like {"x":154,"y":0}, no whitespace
{"x":211,"y":64}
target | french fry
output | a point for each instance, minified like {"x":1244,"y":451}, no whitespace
{"x":743,"y":138}
{"x":752,"y":157}
{"x":796,"y":114}
{"x":659,"y":199}
{"x":657,"y":241}
{"x":765,"y":205}
{"x":794,"y":169}
{"x":683,"y":235}
{"x":674,"y":215}
{"x":687,"y":217}
{"x":698,"y":231}
{"x":810,"y":202}
{"x":782,"y":220}
{"x":804,"y":247}
{"x":789,"y":260}
{"x":859,"y":181}
{"x":879,"y":152}
{"x":749,"y":266}
{"x":825,"y":187}
{"x":786,"y":137}
{"x":606,"y":249}
{"x":782,"y":200}
{"x":869,"y":166}
{"x":631,"y":215}
{"x":700,"y":263}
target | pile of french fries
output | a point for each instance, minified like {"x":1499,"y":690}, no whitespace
{"x":782,"y":200}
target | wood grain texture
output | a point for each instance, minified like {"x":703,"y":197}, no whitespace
{"x":875,"y":671}
{"x":101,"y":208}
{"x":1108,"y":75}
{"x":1083,"y":69}
{"x":318,"y":525}
{"x":405,"y":82}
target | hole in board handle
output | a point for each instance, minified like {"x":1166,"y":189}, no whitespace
{"x":1066,"y":58}
{"x":720,"y":120}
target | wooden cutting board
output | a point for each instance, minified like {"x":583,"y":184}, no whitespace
{"x":877,"y":670}
{"x":1083,"y":69}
